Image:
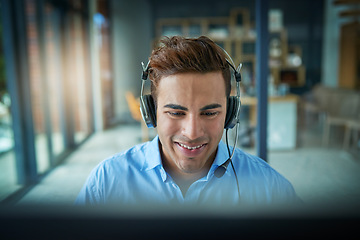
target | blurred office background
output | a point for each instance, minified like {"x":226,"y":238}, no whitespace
{"x":70,"y":83}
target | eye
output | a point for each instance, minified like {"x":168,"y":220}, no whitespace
{"x":210,"y":114}
{"x":176,"y":114}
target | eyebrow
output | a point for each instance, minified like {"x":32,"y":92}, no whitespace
{"x":179,"y":107}
{"x":176,"y":107}
{"x":211,"y":106}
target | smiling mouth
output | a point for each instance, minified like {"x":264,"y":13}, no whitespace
{"x":190,"y":148}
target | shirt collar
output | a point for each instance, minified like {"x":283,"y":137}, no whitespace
{"x":153,"y":158}
{"x":221,"y":157}
{"x":152,"y":155}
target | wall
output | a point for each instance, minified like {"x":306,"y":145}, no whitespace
{"x":131,"y":41}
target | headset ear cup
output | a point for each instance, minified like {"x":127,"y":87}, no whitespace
{"x":231,"y":118}
{"x":148,"y":110}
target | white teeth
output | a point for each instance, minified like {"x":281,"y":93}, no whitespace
{"x":190,"y":148}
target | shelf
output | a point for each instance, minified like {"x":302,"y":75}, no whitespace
{"x":236,"y":34}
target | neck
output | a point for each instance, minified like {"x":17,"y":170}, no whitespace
{"x":184,"y":179}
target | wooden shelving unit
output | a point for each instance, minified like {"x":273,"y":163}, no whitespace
{"x":236,"y":34}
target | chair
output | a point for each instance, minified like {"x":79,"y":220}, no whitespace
{"x":344,"y":111}
{"x":352,"y":128}
{"x":315,"y":103}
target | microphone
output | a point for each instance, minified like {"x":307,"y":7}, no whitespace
{"x":220,"y":171}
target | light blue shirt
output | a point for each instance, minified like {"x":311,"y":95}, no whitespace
{"x":137,"y":176}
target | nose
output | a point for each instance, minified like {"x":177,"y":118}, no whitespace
{"x":192,"y":127}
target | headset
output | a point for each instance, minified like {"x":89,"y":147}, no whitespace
{"x":148,"y":112}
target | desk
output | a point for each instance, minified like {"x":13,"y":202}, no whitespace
{"x":282,"y":120}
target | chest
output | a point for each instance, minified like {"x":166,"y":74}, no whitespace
{"x":154,"y":188}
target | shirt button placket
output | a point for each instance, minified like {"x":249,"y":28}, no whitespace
{"x":178,"y":192}
{"x":193,"y":193}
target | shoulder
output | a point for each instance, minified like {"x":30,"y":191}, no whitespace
{"x":244,"y":159}
{"x":133,"y":157}
{"x":258,"y":170}
{"x":250,"y":161}
{"x":109,"y":176}
{"x":261,"y":177}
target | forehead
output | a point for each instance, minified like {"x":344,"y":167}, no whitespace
{"x":185,"y":87}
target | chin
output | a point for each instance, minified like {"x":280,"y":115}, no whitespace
{"x":192,"y":165}
{"x":191,"y":169}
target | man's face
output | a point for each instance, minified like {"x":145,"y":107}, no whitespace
{"x":191,"y":110}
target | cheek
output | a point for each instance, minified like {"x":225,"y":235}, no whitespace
{"x":218,"y":124}
{"x":214,"y":129}
{"x":166,"y":127}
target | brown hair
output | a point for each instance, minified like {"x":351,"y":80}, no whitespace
{"x":182,"y":55}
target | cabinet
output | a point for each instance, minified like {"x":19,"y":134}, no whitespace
{"x":349,"y":62}
{"x":349,"y":49}
{"x":282,"y":128}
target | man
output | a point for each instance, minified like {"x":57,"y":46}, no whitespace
{"x":190,"y":87}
